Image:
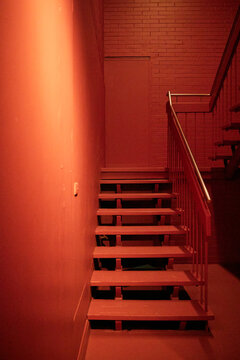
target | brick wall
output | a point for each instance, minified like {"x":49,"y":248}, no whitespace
{"x":185,"y":40}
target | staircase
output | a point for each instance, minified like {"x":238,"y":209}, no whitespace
{"x":225,"y":103}
{"x":142,"y":262}
{"x":231,"y":161}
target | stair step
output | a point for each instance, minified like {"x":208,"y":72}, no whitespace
{"x":139,"y":230}
{"x":133,"y":252}
{"x":134,"y":173}
{"x":139,"y":196}
{"x":232,"y":126}
{"x":131,"y":169}
{"x":235,"y":107}
{"x":220,"y":157}
{"x":134,"y":181}
{"x":143,"y":278}
{"x":227,"y":143}
{"x":148,"y":310}
{"x":138,"y":211}
{"x":233,"y":164}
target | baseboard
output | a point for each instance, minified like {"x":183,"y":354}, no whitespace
{"x":84,"y":341}
{"x":81,"y":318}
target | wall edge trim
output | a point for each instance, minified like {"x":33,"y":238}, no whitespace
{"x":84,"y":341}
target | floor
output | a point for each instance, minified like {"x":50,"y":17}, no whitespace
{"x":223,"y":341}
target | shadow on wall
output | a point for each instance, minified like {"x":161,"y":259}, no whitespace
{"x":226,"y":210}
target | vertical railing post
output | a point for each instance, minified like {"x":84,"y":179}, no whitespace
{"x":206,"y":273}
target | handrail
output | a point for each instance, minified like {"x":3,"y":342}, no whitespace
{"x":190,"y":94}
{"x":192,"y":198}
{"x":204,"y":190}
{"x":222,"y":98}
{"x":226,"y":59}
{"x":224,"y":63}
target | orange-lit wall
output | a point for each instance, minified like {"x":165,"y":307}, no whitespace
{"x":185,"y":40}
{"x":51,"y":135}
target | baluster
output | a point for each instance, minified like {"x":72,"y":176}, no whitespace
{"x":216,"y":123}
{"x":182,"y":192}
{"x":197,"y":243}
{"x":238,"y":73}
{"x":206,"y":271}
{"x":171,"y":156}
{"x":185,"y":209}
{"x":178,"y":180}
{"x":221,"y":115}
{"x":234,"y":79}
{"x":205,"y":145}
{"x":230,"y":90}
{"x":195,"y":137}
{"x":201,"y":263}
{"x":188,"y":216}
{"x":186,"y":125}
{"x":191,"y":229}
{"x":193,"y":237}
{"x":173,"y":167}
{"x":214,"y":130}
{"x":234,"y":85}
{"x":226,"y":114}
{"x":168,"y":149}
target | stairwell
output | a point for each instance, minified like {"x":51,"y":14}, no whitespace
{"x":225,"y":106}
{"x":231,"y":161}
{"x":139,"y":239}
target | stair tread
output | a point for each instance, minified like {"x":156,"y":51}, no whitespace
{"x":227,"y":142}
{"x":220,"y":157}
{"x":235,"y":107}
{"x":135,"y":196}
{"x":137,"y":211}
{"x":132,"y":169}
{"x":139,"y":230}
{"x":134,"y":181}
{"x":157,"y":310}
{"x":232,"y":126}
{"x":143,"y":278}
{"x":141,"y":252}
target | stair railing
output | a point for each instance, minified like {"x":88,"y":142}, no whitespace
{"x":192,"y":197}
{"x":215,"y":110}
{"x":225,"y":96}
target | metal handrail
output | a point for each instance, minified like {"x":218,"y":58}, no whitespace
{"x":190,"y":94}
{"x":230,"y":47}
{"x":204,"y":190}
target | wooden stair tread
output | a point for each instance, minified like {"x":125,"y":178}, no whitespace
{"x":220,"y":157}
{"x":232,"y":126}
{"x":227,"y":143}
{"x":233,"y":164}
{"x":134,"y":181}
{"x":140,"y":196}
{"x":137,"y":211}
{"x":155,"y":310}
{"x":124,"y":252}
{"x":132,"y":169}
{"x":139,"y":230}
{"x":142,"y":278}
{"x":235,"y":107}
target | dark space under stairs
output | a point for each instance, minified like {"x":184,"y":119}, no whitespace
{"x":231,"y":162}
{"x":139,"y":240}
